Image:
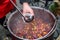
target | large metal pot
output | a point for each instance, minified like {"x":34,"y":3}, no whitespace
{"x":15,"y":21}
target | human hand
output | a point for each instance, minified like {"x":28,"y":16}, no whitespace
{"x":27,"y":8}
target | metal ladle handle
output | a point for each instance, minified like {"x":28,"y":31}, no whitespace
{"x":16,"y":7}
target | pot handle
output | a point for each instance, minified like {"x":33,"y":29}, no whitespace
{"x":56,"y":35}
{"x":5,"y":23}
{"x":56,"y":32}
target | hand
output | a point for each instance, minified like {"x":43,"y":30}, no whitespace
{"x":27,"y":8}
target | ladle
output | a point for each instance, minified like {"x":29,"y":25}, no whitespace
{"x":27,"y":17}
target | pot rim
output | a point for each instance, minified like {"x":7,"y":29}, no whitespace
{"x":37,"y":38}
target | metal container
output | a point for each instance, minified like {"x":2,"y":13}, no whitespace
{"x":15,"y":21}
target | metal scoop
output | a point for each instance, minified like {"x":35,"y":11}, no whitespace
{"x":27,"y":17}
